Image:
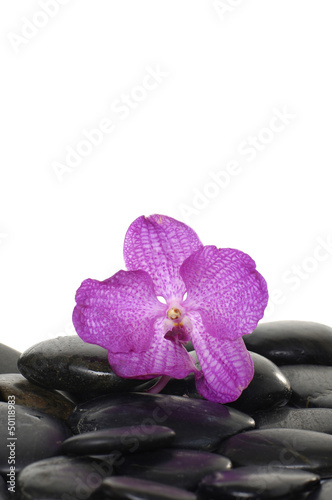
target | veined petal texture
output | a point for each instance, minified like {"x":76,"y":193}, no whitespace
{"x":225,"y":288}
{"x":159,"y":244}
{"x":226,"y":365}
{"x":118,"y":313}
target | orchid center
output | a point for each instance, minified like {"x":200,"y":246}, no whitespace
{"x":177,"y":326}
{"x":174,"y":313}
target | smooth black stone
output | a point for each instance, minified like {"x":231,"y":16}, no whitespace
{"x":256,"y":482}
{"x":28,"y":394}
{"x":129,"y":488}
{"x":65,"y":478}
{"x":198,"y":424}
{"x":291,"y":342}
{"x":287,"y":448}
{"x":8,"y":359}
{"x":310,"y":419}
{"x":37,"y":436}
{"x":269,"y":388}
{"x":324,"y":492}
{"x":180,"y":468}
{"x":121,"y":439}
{"x":311,"y":385}
{"x":69,"y":364}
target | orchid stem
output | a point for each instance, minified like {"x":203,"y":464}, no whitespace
{"x":158,"y":386}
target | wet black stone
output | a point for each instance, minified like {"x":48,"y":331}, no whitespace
{"x":37,"y":436}
{"x":69,"y":364}
{"x":323,"y":492}
{"x":197,"y":424}
{"x":121,"y":439}
{"x":256,"y":482}
{"x":129,"y":488}
{"x":180,"y":468}
{"x":291,"y":342}
{"x":8,"y":359}
{"x":62,"y":478}
{"x":287,"y":448}
{"x":268,"y":389}
{"x":28,"y":394}
{"x":310,"y":419}
{"x":311,"y":385}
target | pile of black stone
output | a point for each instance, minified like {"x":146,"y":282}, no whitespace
{"x":83,"y":433}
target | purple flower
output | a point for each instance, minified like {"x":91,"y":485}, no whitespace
{"x":213,"y":297}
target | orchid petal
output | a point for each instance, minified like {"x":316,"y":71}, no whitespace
{"x":159,"y":244}
{"x":163,"y":357}
{"x":226,"y":365}
{"x":118,"y":313}
{"x":225,"y":288}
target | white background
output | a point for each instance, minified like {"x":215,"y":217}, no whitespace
{"x":226,"y":70}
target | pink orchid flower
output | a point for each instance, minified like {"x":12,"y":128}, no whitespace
{"x":211,"y":296}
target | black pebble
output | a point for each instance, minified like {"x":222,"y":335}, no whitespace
{"x":37,"y":436}
{"x":287,"y":448}
{"x":62,"y":478}
{"x":310,"y":419}
{"x":69,"y":364}
{"x":311,"y":385}
{"x":198,"y":424}
{"x":121,"y":439}
{"x":129,"y":488}
{"x":32,"y":395}
{"x":291,"y":342}
{"x":256,"y":482}
{"x":180,"y":468}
